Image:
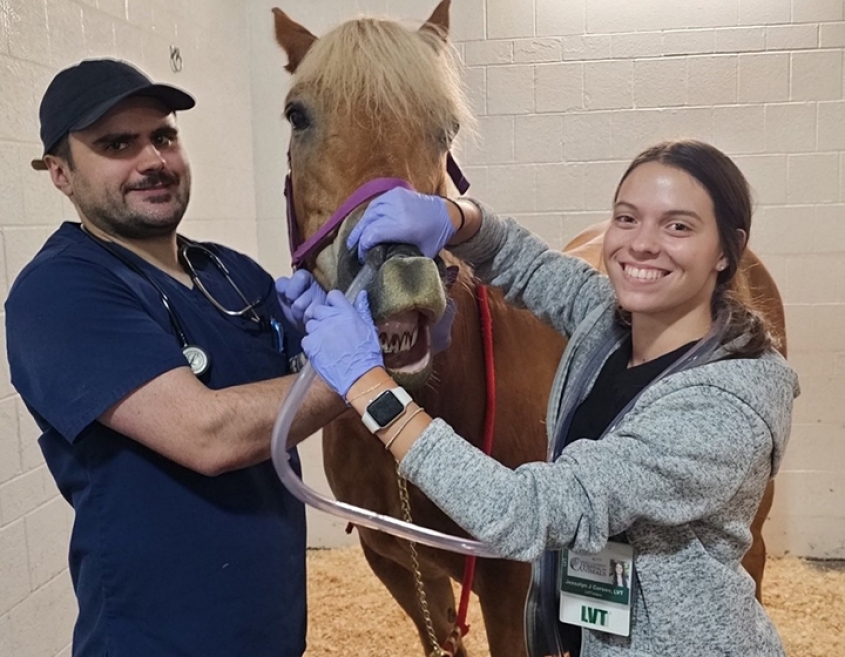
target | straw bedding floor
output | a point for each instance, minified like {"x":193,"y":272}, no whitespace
{"x":351,"y":614}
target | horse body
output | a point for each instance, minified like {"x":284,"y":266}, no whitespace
{"x":363,"y":104}
{"x":362,"y":472}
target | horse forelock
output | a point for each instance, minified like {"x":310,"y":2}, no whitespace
{"x":381,"y":73}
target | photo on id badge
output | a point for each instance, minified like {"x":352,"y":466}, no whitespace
{"x":595,"y":589}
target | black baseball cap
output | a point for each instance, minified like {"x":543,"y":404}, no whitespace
{"x":80,"y":95}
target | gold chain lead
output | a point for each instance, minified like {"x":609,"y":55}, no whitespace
{"x":436,"y":651}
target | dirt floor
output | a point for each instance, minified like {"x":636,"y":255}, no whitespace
{"x":351,"y":613}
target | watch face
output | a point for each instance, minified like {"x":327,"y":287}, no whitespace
{"x":385,"y":408}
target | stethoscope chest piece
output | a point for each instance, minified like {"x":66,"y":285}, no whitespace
{"x":197,"y":358}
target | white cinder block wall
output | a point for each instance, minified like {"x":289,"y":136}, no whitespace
{"x":37,"y":38}
{"x":566,"y":93}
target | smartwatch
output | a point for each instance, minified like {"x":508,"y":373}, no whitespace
{"x":385,"y":409}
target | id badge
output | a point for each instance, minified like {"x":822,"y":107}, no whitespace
{"x":595,"y":589}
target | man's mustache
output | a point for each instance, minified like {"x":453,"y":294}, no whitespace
{"x":154,"y":180}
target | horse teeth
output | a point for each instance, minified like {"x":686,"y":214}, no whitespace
{"x":394,"y":343}
{"x":391,"y":343}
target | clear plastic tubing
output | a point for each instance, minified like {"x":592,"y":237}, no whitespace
{"x":354,"y":514}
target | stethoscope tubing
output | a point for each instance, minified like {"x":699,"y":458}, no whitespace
{"x":198,"y":358}
{"x":165,"y":300}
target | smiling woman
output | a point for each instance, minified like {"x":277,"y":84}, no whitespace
{"x":662,"y":250}
{"x":680,"y":225}
{"x":682,"y":217}
{"x":662,"y":254}
{"x":671,"y":410}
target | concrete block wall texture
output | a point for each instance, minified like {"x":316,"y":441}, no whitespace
{"x":566,"y":92}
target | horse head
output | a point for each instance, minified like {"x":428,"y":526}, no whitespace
{"x":372,"y":100}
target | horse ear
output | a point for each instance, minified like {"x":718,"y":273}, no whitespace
{"x":438,"y":22}
{"x":294,"y":38}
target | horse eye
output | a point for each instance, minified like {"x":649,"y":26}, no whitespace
{"x":448,"y":136}
{"x":297,"y":117}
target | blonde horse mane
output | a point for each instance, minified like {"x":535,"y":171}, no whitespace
{"x":379,"y":71}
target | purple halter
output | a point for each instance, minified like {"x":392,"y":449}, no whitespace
{"x":301,"y":250}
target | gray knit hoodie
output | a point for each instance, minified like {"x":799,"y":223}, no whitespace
{"x":682,"y":474}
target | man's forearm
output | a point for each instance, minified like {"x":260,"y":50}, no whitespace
{"x":248,"y":410}
{"x":243,"y":421}
{"x":215,"y":431}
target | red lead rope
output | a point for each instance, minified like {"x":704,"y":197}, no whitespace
{"x":487,"y":445}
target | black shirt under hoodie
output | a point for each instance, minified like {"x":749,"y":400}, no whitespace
{"x":616,"y":385}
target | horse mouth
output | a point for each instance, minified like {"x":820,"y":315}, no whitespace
{"x":405,"y":342}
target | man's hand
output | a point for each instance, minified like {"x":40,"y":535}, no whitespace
{"x":296,"y":294}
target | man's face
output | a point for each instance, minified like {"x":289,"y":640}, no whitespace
{"x":130,"y":177}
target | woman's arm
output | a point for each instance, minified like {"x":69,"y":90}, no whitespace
{"x":596,"y":489}
{"x":691,"y":443}
{"x":691,"y":446}
{"x":557,"y":288}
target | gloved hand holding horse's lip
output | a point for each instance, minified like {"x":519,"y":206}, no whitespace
{"x":341,"y":342}
{"x":402,"y":216}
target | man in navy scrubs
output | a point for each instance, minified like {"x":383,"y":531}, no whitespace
{"x":155,"y":367}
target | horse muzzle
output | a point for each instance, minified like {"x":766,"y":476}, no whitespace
{"x":407,"y":297}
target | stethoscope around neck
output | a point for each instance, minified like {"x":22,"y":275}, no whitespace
{"x":197,"y":357}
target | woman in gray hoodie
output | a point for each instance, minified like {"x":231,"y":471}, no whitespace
{"x":669,"y":414}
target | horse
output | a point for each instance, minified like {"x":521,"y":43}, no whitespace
{"x":372,"y":100}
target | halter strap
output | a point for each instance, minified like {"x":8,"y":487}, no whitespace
{"x":374,"y":187}
{"x":364,"y":193}
{"x":455,"y":173}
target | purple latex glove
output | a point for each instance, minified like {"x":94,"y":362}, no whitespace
{"x":441,"y":332}
{"x":401,"y":216}
{"x":296,"y":294}
{"x":342,"y":341}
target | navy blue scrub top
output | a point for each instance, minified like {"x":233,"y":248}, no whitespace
{"x":164,"y":561}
